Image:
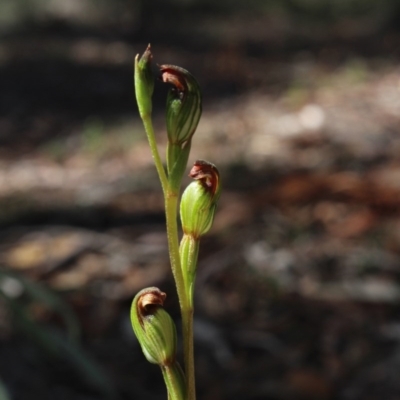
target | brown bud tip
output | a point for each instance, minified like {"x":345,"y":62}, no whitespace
{"x":147,"y":53}
{"x":149,"y":300}
{"x":207,"y":174}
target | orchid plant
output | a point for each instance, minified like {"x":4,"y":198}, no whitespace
{"x":152,"y":325}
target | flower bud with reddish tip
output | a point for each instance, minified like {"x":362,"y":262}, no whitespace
{"x":183,"y":103}
{"x":144,"y":82}
{"x":199,"y":200}
{"x":153,"y":327}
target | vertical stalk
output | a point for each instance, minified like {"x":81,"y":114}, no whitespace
{"x":171,"y":209}
{"x":187,"y":327}
{"x":148,"y":126}
{"x":171,"y":206}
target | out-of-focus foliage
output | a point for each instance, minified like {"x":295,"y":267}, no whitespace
{"x":19,"y":295}
{"x":19,"y":291}
{"x":3,"y":392}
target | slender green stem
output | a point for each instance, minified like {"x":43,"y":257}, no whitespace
{"x":171,"y":206}
{"x":171,"y":203}
{"x":187,"y":326}
{"x":171,"y":209}
{"x":148,"y":126}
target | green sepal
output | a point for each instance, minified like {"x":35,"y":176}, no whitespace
{"x":144,"y":82}
{"x":199,"y":200}
{"x":197,"y":210}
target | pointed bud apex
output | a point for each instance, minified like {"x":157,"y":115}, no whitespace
{"x":153,"y":327}
{"x":199,"y":200}
{"x":144,"y":82}
{"x":183,"y":103}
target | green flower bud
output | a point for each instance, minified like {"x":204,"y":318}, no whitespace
{"x":199,"y":200}
{"x":183,"y":104}
{"x":144,"y":82}
{"x":153,"y":327}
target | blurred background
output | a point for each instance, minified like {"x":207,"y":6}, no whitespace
{"x":298,"y":284}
